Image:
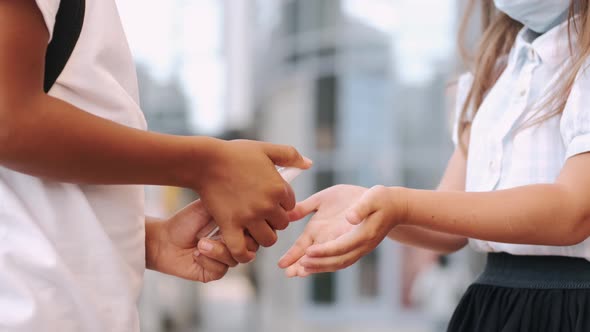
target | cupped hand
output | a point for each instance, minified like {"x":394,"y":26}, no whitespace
{"x":327,"y":224}
{"x":375,"y":213}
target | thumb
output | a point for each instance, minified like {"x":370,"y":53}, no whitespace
{"x":362,"y":209}
{"x":296,"y":251}
{"x":189,"y":223}
{"x":288,"y":156}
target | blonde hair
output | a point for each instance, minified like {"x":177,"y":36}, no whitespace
{"x":499,"y":34}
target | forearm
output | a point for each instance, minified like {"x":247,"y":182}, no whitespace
{"x":50,"y":138}
{"x":427,"y":239}
{"x":453,"y":180}
{"x":521,"y":215}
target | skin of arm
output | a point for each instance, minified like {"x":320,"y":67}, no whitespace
{"x":556,"y":214}
{"x":46,"y":137}
{"x":453,"y":180}
{"x":329,"y":225}
{"x":329,"y":222}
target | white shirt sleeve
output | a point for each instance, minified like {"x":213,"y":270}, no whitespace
{"x":575,"y":120}
{"x":463,"y":86}
{"x":49,"y":9}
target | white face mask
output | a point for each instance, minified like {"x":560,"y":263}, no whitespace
{"x":537,"y":15}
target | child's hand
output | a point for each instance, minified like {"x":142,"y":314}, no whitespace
{"x":374,"y":215}
{"x":243,"y":191}
{"x":172,"y":247}
{"x":327,"y":224}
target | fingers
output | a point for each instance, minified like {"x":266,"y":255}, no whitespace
{"x":235,"y":240}
{"x":296,"y":251}
{"x":347,"y":249}
{"x":284,"y":155}
{"x":291,"y":271}
{"x":251,"y":244}
{"x":330,"y":264}
{"x":212,"y":269}
{"x":278,"y":219}
{"x":262,"y":233}
{"x":296,"y":270}
{"x":302,"y":209}
{"x":216,"y":251}
{"x":366,"y":236}
{"x":339,"y":246}
{"x":288,"y":200}
{"x":303,"y":272}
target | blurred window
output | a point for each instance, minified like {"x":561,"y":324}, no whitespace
{"x":369,"y":276}
{"x":323,"y":286}
{"x":291,"y":18}
{"x":326,"y":96}
{"x":320,"y":14}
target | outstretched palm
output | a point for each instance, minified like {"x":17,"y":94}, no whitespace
{"x":328,"y":223}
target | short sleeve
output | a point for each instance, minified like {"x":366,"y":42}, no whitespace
{"x":575,"y":120}
{"x":48,"y":9}
{"x":463,"y":86}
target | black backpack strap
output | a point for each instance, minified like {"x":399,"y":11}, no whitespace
{"x":68,"y":25}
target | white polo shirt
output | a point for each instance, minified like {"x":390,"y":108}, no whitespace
{"x":72,"y":257}
{"x":502,"y":154}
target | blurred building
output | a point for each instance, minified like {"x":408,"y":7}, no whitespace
{"x":325,"y":82}
{"x":164,"y":103}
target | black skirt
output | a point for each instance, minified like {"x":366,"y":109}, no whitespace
{"x":527,"y":294}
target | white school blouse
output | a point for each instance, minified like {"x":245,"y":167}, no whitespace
{"x":501,"y":154}
{"x":72,"y":256}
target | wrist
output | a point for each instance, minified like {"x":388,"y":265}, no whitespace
{"x":400,"y":203}
{"x":204,"y":157}
{"x":153,"y":240}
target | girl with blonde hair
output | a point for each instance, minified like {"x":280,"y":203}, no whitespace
{"x":516,"y":187}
